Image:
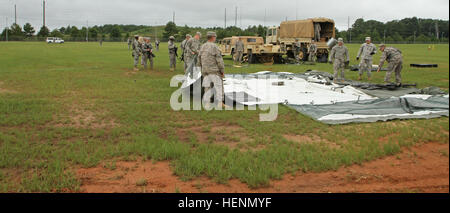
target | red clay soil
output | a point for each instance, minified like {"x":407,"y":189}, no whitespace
{"x":419,"y":169}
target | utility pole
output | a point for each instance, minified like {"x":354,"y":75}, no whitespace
{"x":235,"y":17}
{"x":225,"y":18}
{"x":240,"y":17}
{"x":437,"y":31}
{"x":7,"y":29}
{"x":43,"y":8}
{"x":296,"y":9}
{"x":384,"y":36}
{"x":173,"y":18}
{"x":265,"y":15}
{"x":414,"y":37}
{"x":15,"y":14}
{"x":87,"y":31}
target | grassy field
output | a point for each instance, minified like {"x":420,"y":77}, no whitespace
{"x":78,"y":105}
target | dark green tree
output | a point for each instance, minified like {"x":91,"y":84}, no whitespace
{"x":43,"y":32}
{"x":170,"y":30}
{"x":28,"y":30}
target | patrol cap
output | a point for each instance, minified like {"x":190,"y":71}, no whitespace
{"x":340,"y":40}
{"x":136,"y":36}
{"x":171,"y":38}
{"x":368,"y":39}
{"x":382,"y":45}
{"x":188,"y":35}
{"x":211,"y":34}
{"x":199,"y":33}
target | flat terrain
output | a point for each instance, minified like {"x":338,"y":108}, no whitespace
{"x":76,"y":118}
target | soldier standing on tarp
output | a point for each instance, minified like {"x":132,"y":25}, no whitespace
{"x":172,"y":53}
{"x":213,"y":72}
{"x":340,"y":58}
{"x":136,"y":51}
{"x":395,"y":59}
{"x":192,"y":51}
{"x":365,"y":53}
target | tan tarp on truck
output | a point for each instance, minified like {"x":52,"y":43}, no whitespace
{"x":302,"y":28}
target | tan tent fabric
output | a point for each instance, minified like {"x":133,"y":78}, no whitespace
{"x":300,"y":28}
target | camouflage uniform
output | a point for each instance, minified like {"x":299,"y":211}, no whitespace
{"x":172,"y":54}
{"x":129,"y":44}
{"x":395,"y":59}
{"x":192,"y":51}
{"x":312,"y":53}
{"x":239,"y":51}
{"x":317,"y":30}
{"x":365,"y":53}
{"x":339,"y":56}
{"x":183,"y":51}
{"x":137,"y":50}
{"x":147,"y":54}
{"x":213,"y":68}
{"x":297,"y":49}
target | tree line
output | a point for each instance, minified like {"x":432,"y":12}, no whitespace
{"x":408,"y":30}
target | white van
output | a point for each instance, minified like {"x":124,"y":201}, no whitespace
{"x":54,"y":40}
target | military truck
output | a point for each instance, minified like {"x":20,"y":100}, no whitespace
{"x":255,"y":51}
{"x":286,"y":34}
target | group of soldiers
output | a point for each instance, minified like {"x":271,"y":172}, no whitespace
{"x":312,"y":51}
{"x":142,"y":48}
{"x":340,"y":58}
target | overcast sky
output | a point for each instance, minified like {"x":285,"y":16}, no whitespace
{"x":206,"y":13}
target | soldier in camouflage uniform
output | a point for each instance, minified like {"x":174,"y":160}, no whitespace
{"x":147,"y":53}
{"x":317,"y":29}
{"x":239,"y":51}
{"x":312,"y":52}
{"x":137,"y":51}
{"x":340,"y":58}
{"x":366,"y":52}
{"x":395,"y":59}
{"x":192,"y":51}
{"x":213,"y":69}
{"x":172,"y":53}
{"x":183,"y":48}
{"x":297,"y":49}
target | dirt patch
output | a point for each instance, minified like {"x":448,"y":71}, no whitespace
{"x":419,"y":169}
{"x":306,"y":139}
{"x":221,"y":134}
{"x":85,"y":119}
{"x":4,"y":91}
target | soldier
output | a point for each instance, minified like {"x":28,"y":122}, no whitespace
{"x":213,"y":69}
{"x":239,"y":51}
{"x":172,"y":53}
{"x":317,"y":29}
{"x":183,"y":47}
{"x":129,"y":43}
{"x":136,"y":51}
{"x":366,"y":52}
{"x":395,"y":59}
{"x":297,"y":49}
{"x":340,"y":58}
{"x":157,"y":45}
{"x":191,"y":52}
{"x":147,"y":53}
{"x":312,"y":52}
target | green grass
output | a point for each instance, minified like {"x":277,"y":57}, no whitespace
{"x":74,"y":105}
